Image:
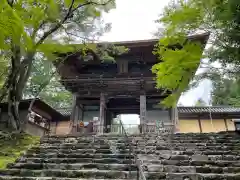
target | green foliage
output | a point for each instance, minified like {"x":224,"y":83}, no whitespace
{"x":226,"y":92}
{"x":12,"y":147}
{"x":44,"y":84}
{"x":179,"y":58}
{"x":181,"y":18}
{"x":31,"y":28}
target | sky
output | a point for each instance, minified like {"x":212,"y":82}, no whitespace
{"x":134,"y":20}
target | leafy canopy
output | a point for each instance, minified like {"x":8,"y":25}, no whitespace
{"x":178,"y":57}
{"x":226,"y":92}
{"x":29,"y":27}
{"x":182,"y":18}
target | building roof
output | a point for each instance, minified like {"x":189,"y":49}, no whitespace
{"x":212,"y":109}
{"x":25,"y":103}
{"x":65,"y":111}
{"x":183,"y":110}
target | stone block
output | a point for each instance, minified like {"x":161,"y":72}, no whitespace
{"x":155,"y":168}
{"x":187,"y":169}
{"x":144,"y":157}
{"x":165,"y":154}
{"x":180,"y":157}
{"x":181,"y":177}
{"x":199,"y":158}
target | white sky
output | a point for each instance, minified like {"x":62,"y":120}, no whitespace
{"x":134,"y":20}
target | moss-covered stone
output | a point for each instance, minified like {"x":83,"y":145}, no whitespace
{"x":12,"y":147}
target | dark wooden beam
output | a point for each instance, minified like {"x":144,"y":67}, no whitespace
{"x":200,"y":124}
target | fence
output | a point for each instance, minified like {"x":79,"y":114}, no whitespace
{"x":132,"y":128}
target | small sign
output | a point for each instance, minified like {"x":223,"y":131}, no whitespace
{"x":81,"y":124}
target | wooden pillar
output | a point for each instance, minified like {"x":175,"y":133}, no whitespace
{"x":143,"y":112}
{"x":174,"y":119}
{"x":73,"y":114}
{"x":102,"y":115}
{"x":200,"y":124}
{"x":225,"y":122}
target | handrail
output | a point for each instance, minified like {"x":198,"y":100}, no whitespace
{"x":140,"y":173}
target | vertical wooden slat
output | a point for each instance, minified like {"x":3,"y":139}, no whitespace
{"x":225,"y":122}
{"x":73,"y":115}
{"x":102,"y":112}
{"x":143,"y":112}
{"x":199,"y":123}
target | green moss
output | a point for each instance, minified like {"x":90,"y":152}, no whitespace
{"x":14,"y":146}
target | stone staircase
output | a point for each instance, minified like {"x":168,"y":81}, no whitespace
{"x":183,"y":157}
{"x":71,"y":158}
{"x":193,"y":157}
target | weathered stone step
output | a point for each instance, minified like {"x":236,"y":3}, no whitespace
{"x":46,"y":178}
{"x":183,"y":148}
{"x":76,"y":160}
{"x":191,"y":176}
{"x":192,"y":169}
{"x":75,"y":146}
{"x":122,"y":139}
{"x":76,"y":166}
{"x":86,"y":155}
{"x":76,"y":140}
{"x":196,"y":141}
{"x":69,"y":151}
{"x":94,"y":174}
{"x":180,"y":144}
{"x":206,"y":152}
{"x":219,"y":163}
{"x":183,"y":152}
{"x":50,"y":151}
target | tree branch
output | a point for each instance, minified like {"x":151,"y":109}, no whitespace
{"x":46,"y":34}
{"x":71,"y":10}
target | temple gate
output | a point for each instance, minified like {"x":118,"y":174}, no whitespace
{"x":126,"y":86}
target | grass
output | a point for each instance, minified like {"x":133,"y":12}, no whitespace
{"x":12,"y":147}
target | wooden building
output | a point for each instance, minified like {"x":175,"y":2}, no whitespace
{"x":208,"y":119}
{"x":104,"y":90}
{"x":37,"y":120}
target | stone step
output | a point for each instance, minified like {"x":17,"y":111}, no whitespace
{"x":183,"y":148}
{"x":76,"y":140}
{"x":123,"y":145}
{"x":123,"y":139}
{"x":206,"y":152}
{"x":46,"y":178}
{"x":75,"y":166}
{"x":182,"y":157}
{"x":86,"y":155}
{"x":179,"y":144}
{"x":69,"y":151}
{"x":76,"y":160}
{"x":219,"y":163}
{"x":70,"y":145}
{"x":183,"y":152}
{"x":195,"y":141}
{"x":50,"y":151}
{"x":191,"y":176}
{"x":160,"y":154}
{"x":192,"y":169}
{"x":59,"y":173}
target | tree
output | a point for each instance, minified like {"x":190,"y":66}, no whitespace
{"x":200,"y":102}
{"x":44,"y":83}
{"x":40,"y":28}
{"x":226,"y":92}
{"x":182,"y":18}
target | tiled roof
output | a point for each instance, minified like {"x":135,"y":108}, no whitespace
{"x":65,"y":111}
{"x":213,"y":109}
